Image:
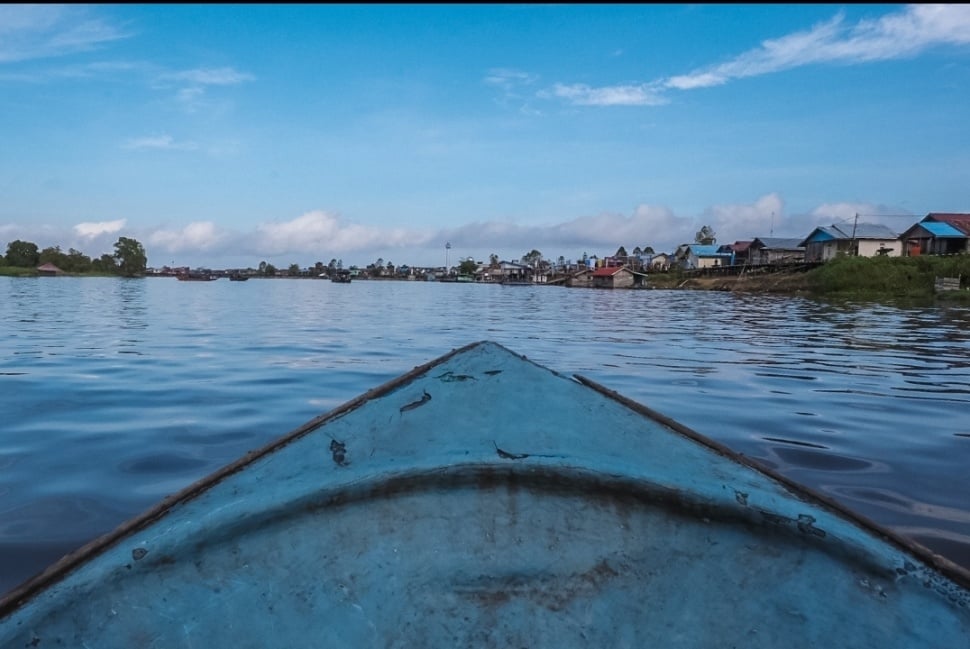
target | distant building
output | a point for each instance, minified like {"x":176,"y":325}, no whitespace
{"x":612,"y":277}
{"x":49,"y":270}
{"x":775,"y":250}
{"x":694,"y":255}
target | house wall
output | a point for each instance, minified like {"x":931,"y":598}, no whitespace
{"x":870,"y":247}
{"x":781,"y":256}
{"x":580,"y":280}
{"x":622,"y":279}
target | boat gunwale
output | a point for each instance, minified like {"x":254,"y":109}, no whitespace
{"x":946,"y":567}
{"x":60,"y":569}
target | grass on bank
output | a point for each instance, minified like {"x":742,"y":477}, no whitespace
{"x":889,"y":276}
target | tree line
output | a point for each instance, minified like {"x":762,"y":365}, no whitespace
{"x":129,"y":258}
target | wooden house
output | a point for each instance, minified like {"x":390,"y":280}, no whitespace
{"x":739,"y":251}
{"x":937,"y":234}
{"x":613,"y":277}
{"x":660,"y":262}
{"x":693,"y":256}
{"x":581,"y":279}
{"x":775,"y":250}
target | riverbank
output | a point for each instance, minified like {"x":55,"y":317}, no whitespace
{"x":845,"y":277}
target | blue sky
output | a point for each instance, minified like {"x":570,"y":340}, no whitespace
{"x":229,"y":135}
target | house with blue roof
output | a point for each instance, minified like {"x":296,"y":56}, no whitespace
{"x":938,"y":234}
{"x":860,"y":240}
{"x":690,"y":256}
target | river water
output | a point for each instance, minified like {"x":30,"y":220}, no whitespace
{"x":115,"y":393}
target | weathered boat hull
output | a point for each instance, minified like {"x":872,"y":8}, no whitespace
{"x":482,"y":500}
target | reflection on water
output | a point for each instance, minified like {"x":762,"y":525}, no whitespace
{"x":118,"y":392}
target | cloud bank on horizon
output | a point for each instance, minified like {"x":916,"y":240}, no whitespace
{"x":42,"y":46}
{"x":320,"y":236}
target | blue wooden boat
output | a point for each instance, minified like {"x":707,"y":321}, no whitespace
{"x":483,"y":500}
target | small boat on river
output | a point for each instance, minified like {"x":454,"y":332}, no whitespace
{"x":341,"y":277}
{"x":483,"y":500}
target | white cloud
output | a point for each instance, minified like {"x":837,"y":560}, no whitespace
{"x":207,"y":77}
{"x":201,"y":236}
{"x":903,"y":34}
{"x":319,"y":232}
{"x":93,"y":230}
{"x":191,"y":85}
{"x":835,"y":212}
{"x":509,"y":78}
{"x":43,"y":31}
{"x":163,"y":142}
{"x":624,"y":95}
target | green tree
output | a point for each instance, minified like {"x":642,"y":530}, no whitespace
{"x":532,"y":257}
{"x":493,"y":261}
{"x":262,"y":268}
{"x":22,"y":253}
{"x":104,"y":264}
{"x":131,"y":257}
{"x":53,"y":255}
{"x":293,"y":270}
{"x":76,"y":261}
{"x":620,"y":252}
{"x":269,"y":270}
{"x":467,"y":267}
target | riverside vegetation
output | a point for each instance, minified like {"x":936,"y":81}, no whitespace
{"x":863,"y":278}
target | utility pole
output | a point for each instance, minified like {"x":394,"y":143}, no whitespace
{"x":855,"y":246}
{"x":447,"y":248}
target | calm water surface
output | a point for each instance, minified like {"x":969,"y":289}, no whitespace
{"x":115,"y":393}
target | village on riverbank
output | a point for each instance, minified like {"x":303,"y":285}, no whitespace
{"x":929,"y":257}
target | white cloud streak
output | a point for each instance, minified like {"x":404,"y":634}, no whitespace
{"x":627,"y":95}
{"x":191,"y":85}
{"x":159,"y":142}
{"x":207,"y":77}
{"x":43,"y":31}
{"x":93,"y":230}
{"x":902,"y":34}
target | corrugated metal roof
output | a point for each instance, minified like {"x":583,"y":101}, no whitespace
{"x":959,"y":221}
{"x":870,"y":231}
{"x":847,"y":231}
{"x":780,"y":243}
{"x":708,"y":251}
{"x":941,"y":230}
{"x":607,"y":271}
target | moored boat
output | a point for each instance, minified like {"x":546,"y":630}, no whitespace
{"x":483,"y":500}
{"x":341,"y":277}
{"x":197,"y":276}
